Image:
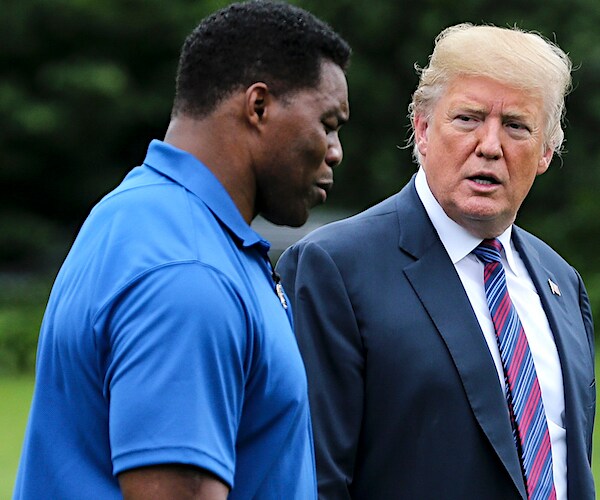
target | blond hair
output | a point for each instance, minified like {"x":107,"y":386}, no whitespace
{"x":524,"y":60}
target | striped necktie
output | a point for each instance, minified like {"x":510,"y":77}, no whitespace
{"x":523,"y":394}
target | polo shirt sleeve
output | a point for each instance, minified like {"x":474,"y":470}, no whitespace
{"x":175,"y":376}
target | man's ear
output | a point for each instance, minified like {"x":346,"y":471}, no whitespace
{"x":257,"y":101}
{"x":545,"y":160}
{"x":421,"y":126}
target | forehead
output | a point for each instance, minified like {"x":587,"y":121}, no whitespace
{"x":333,"y":79}
{"x":483,"y":94}
{"x":330,"y":94}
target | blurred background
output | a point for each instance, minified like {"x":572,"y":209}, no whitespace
{"x":86,"y":84}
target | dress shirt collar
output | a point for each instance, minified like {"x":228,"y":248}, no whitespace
{"x":457,"y":241}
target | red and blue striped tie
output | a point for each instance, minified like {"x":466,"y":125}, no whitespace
{"x":523,"y":394}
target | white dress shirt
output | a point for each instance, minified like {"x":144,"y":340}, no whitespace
{"x":459,"y":244}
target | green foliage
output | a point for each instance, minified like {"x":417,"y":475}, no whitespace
{"x":592,"y":284}
{"x":22,"y":304}
{"x":18,"y":338}
{"x":85,"y":85}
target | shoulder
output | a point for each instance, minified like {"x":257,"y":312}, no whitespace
{"x":527,"y":243}
{"x":183,"y":293}
{"x":144,"y":200}
{"x":147,"y":222}
{"x":545,"y":262}
{"x":374,"y":223}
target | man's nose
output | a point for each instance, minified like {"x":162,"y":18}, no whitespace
{"x":335,"y":153}
{"x":490,"y":142}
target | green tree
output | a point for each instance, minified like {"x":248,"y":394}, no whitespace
{"x":86,"y":84}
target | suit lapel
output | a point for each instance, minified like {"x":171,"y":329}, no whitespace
{"x":544,"y":281}
{"x":436,"y":283}
{"x":559,"y":318}
{"x":571,"y":345}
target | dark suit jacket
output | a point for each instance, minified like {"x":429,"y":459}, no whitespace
{"x":405,"y":398}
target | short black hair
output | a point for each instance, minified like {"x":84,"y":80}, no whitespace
{"x":260,"y":40}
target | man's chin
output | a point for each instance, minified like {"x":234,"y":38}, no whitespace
{"x":485,"y":225}
{"x":291,"y":220}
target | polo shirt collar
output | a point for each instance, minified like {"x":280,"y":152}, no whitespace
{"x":457,"y":241}
{"x":186,"y":170}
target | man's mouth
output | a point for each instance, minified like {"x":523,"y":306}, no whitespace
{"x":325,"y":185}
{"x":484,"y":180}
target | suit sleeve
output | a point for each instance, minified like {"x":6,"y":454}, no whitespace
{"x":331,"y":346}
{"x":586,"y":314}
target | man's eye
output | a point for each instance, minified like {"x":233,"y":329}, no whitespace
{"x":519,"y":127}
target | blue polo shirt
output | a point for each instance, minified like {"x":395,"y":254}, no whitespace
{"x":164,"y":342}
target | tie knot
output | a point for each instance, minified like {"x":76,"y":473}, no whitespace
{"x":488,"y":251}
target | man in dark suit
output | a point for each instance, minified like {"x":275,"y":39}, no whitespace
{"x":420,"y":387}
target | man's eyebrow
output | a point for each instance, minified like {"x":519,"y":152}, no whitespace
{"x":524,"y":117}
{"x":469,"y":108}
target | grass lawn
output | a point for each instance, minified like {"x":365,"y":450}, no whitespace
{"x":14,"y":407}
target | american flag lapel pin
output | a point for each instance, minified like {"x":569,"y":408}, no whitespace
{"x":554,"y":287}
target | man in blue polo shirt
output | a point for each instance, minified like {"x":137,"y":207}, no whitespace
{"x":167,"y":366}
